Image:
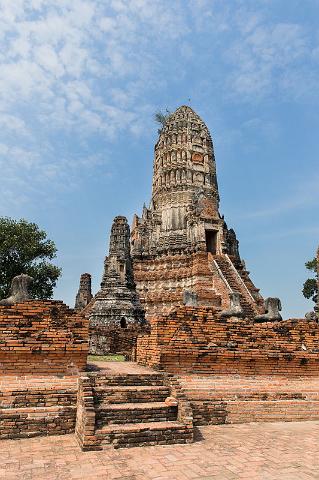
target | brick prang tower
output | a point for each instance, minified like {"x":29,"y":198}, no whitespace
{"x":84,"y":295}
{"x":181,"y":245}
{"x":117,"y":304}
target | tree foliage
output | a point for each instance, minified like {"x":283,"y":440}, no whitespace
{"x":310,"y":287}
{"x":161,"y":118}
{"x":24,"y":248}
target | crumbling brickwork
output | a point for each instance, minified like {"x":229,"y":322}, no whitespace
{"x":181,"y":245}
{"x":84,"y":295}
{"x":131,"y":410}
{"x":114,"y":339}
{"x":42,"y":337}
{"x":199,"y":340}
{"x":219,"y":399}
{"x":115,"y":314}
{"x":32,"y":406}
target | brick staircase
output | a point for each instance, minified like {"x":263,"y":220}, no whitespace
{"x":236,"y":283}
{"x":129,"y":410}
{"x":31,"y":407}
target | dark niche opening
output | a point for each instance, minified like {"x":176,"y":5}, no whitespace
{"x":211,"y":241}
{"x":123,"y":323}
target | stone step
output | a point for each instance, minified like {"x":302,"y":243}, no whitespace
{"x":130,"y":394}
{"x":128,"y":380}
{"x":123,"y":413}
{"x":236,"y":284}
{"x":144,"y":434}
{"x":32,"y":421}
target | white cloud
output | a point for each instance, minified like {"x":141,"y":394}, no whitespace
{"x":265,"y":55}
{"x":61,"y":64}
{"x":89,"y":67}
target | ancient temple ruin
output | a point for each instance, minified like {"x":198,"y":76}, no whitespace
{"x":182,"y":249}
{"x":215,"y":351}
{"x":84,"y":295}
{"x":116,"y":306}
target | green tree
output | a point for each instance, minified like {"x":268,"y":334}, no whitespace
{"x":24,"y":248}
{"x":161,"y":118}
{"x":310,"y":287}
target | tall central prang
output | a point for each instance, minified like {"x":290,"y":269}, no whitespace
{"x":182,"y":250}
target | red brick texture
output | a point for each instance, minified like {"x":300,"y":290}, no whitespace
{"x":130,"y":410}
{"x":32,"y":406}
{"x":85,"y":415}
{"x":160,"y":282}
{"x":229,"y":399}
{"x":42,"y":337}
{"x":198,"y":340}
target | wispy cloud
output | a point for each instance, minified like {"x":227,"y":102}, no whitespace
{"x":82,"y":69}
{"x":284,"y":233}
{"x":266,"y":53}
{"x":73,"y":68}
{"x":305,"y":195}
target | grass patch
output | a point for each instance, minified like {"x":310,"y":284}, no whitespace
{"x":107,"y":358}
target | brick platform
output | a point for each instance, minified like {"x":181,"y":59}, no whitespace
{"x":242,"y":399}
{"x":42,"y":338}
{"x":33,"y":406}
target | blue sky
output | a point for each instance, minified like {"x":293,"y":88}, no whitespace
{"x":80,"y":81}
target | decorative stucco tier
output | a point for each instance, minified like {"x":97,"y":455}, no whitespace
{"x":182,"y":249}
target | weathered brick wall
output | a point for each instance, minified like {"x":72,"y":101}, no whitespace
{"x":42,"y":337}
{"x":161,"y":281}
{"x":113,"y":339}
{"x":197,"y":339}
{"x":240,"y":399}
{"x":85,"y":415}
{"x":32,"y":406}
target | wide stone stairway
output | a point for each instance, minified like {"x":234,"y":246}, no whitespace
{"x":128,"y":410}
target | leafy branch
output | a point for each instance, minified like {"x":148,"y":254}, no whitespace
{"x":161,"y":118}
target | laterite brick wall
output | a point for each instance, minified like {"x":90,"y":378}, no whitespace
{"x":198,"y":340}
{"x":42,"y":337}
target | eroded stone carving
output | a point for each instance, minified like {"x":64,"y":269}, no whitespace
{"x":232,"y":243}
{"x":272,"y":309}
{"x":190,"y":298}
{"x":19,"y":290}
{"x":235,"y":309}
{"x":311,"y":316}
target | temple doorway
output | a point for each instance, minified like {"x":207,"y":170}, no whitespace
{"x":211,"y":241}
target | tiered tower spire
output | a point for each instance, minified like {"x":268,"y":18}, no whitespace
{"x":184,"y":187}
{"x":117,"y":304}
{"x":181,"y":246}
